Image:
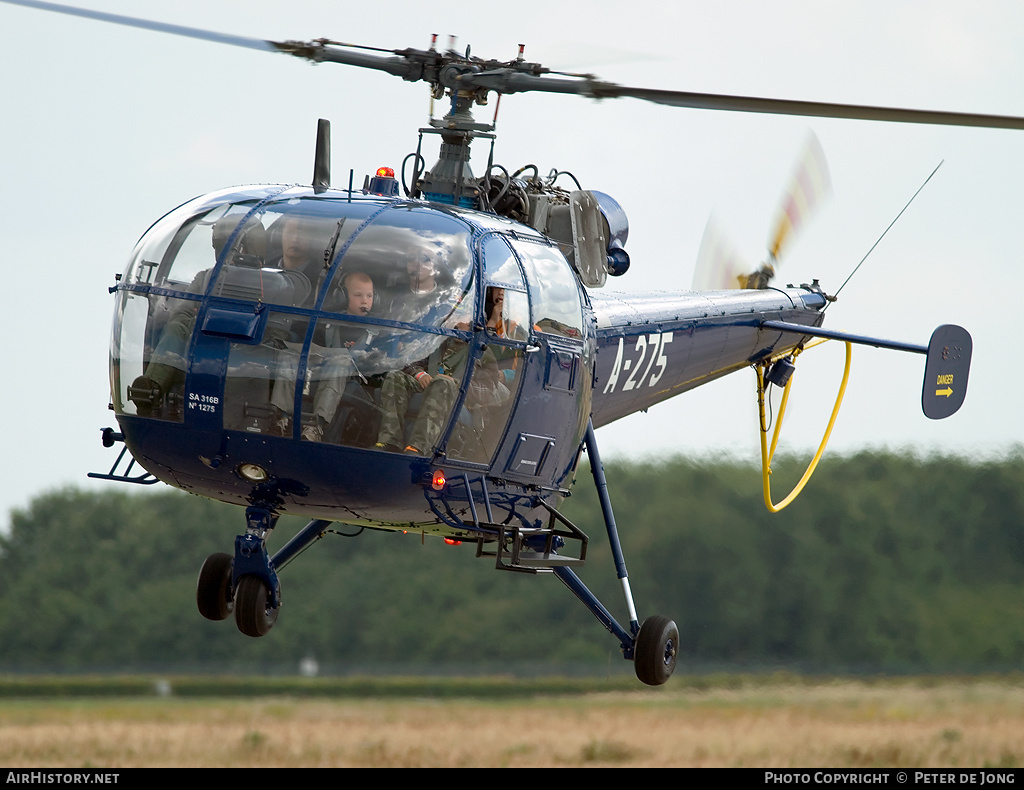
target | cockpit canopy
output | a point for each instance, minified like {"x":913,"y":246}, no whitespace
{"x":328,"y":310}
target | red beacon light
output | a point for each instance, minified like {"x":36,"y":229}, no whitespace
{"x":438,"y":480}
{"x":382,"y":183}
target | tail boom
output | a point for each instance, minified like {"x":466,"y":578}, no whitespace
{"x":657,"y":345}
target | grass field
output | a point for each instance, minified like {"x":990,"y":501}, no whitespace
{"x":823,"y":723}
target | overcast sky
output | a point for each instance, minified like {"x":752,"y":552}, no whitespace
{"x":107,"y":128}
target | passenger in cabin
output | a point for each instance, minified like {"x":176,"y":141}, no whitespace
{"x":493,"y":305}
{"x":494,"y":308}
{"x":348,"y":347}
{"x":506,"y":357}
{"x":423,"y":292}
{"x":438,"y":377}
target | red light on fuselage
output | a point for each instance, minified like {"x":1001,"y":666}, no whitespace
{"x":385,"y":172}
{"x":438,"y":480}
{"x":453,"y":542}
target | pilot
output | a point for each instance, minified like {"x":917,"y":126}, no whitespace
{"x":346,"y":352}
{"x":166,"y":367}
{"x":301,"y":251}
{"x":421,"y":267}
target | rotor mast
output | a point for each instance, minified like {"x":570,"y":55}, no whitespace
{"x":451,"y":179}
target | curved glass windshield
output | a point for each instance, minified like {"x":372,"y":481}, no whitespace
{"x":368,"y":382}
{"x":341,"y":322}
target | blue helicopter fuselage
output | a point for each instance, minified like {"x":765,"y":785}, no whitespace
{"x":248,"y":366}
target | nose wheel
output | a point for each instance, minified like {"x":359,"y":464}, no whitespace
{"x":252,"y":603}
{"x":213,"y":590}
{"x":255,"y":613}
{"x":654,"y":655}
{"x":245,"y":584}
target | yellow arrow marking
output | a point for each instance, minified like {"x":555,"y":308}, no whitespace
{"x":947,"y":392}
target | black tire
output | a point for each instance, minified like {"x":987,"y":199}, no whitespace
{"x":254,"y":614}
{"x":654,"y":655}
{"x":213,"y":590}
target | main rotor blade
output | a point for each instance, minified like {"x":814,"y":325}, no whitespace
{"x":317,"y":51}
{"x":162,"y":27}
{"x":506,"y":81}
{"x":410,"y":64}
{"x":714,"y":101}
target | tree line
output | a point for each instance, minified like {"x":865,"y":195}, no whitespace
{"x":886,"y":562}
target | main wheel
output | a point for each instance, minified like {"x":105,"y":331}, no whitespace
{"x":654,"y":655}
{"x":254,"y":613}
{"x":213,"y":590}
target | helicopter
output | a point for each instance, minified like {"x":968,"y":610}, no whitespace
{"x":222,"y":348}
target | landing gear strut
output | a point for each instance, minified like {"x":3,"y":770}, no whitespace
{"x":246,"y":584}
{"x":653,"y":646}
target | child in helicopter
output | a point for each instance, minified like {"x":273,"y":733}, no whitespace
{"x":347,"y":350}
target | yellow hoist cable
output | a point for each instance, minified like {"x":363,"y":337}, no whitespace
{"x":766,"y":455}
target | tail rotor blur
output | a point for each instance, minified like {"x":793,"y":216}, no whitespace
{"x":719,"y":267}
{"x":808,"y":188}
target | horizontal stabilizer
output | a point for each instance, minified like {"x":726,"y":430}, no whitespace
{"x":946,"y":370}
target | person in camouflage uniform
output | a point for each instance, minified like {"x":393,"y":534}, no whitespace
{"x":438,"y":378}
{"x":440,"y":390}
